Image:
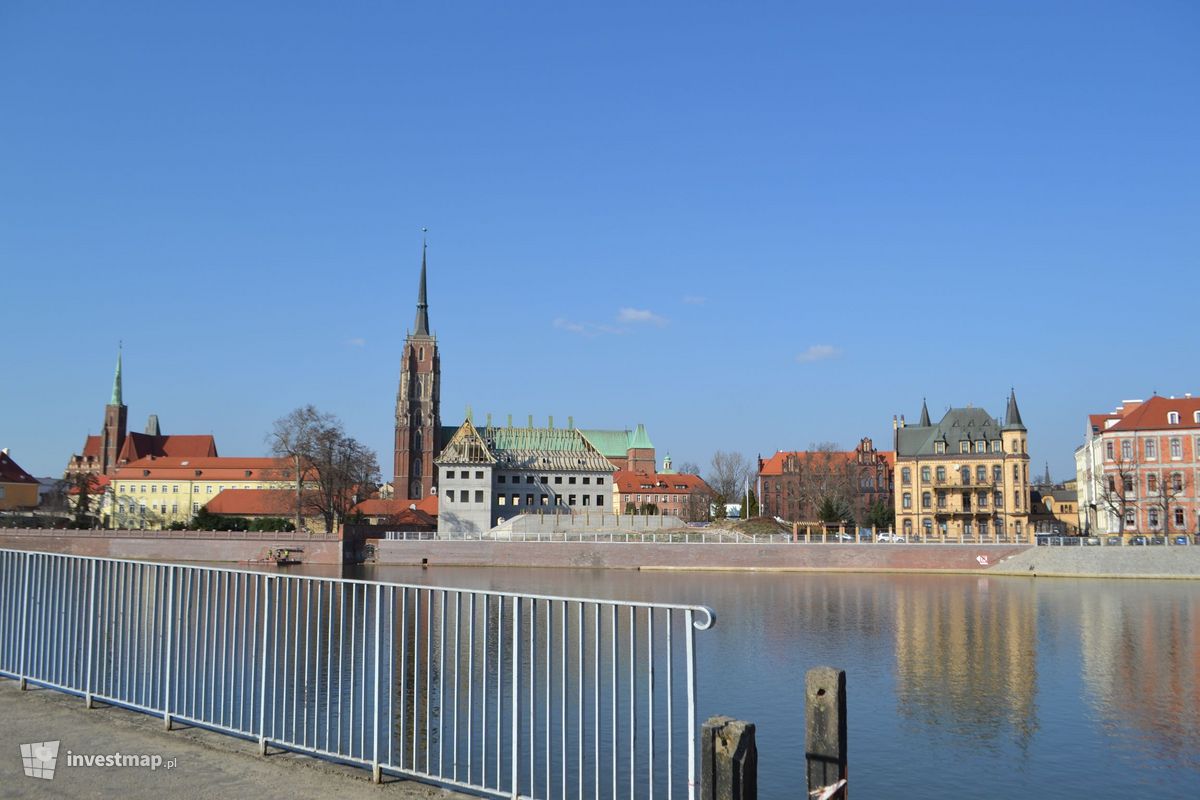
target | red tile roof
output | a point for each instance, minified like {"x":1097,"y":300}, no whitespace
{"x":98,"y":485}
{"x":91,"y":447}
{"x":254,"y":503}
{"x":398,"y":512}
{"x":659,"y":483}
{"x":143,"y":445}
{"x":1152,"y":415}
{"x":229,"y":468}
{"x":774,"y":464}
{"x":429,"y":505}
{"x":11,"y":472}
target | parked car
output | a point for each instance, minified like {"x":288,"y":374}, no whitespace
{"x":1092,"y":541}
{"x":1138,"y":540}
{"x":889,"y":537}
{"x":1158,"y":540}
{"x":1114,"y":540}
{"x":1181,"y":539}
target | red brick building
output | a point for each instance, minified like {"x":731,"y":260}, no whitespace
{"x":792,"y":483}
{"x":670,"y":493}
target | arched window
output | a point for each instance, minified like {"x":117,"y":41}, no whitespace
{"x":1172,"y":417}
{"x":908,"y":527}
{"x":906,"y":475}
{"x":926,"y":500}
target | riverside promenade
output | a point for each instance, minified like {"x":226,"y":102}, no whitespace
{"x":207,"y":764}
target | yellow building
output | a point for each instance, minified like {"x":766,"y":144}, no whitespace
{"x":18,"y":489}
{"x":155,"y":492}
{"x":1063,"y":504}
{"x":967,"y":475}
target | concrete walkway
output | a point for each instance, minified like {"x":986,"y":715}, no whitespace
{"x":209,"y":766}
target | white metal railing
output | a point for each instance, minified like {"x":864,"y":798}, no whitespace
{"x":506,"y":694}
{"x":702,"y":537}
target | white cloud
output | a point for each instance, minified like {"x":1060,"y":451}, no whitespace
{"x":640,"y":315}
{"x":588,"y":329}
{"x":818,"y":352}
{"x":694,"y":300}
{"x":357,"y":341}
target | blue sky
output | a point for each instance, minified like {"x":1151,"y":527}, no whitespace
{"x":748,"y":226}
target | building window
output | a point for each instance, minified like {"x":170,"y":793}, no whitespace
{"x":926,"y":500}
{"x":996,"y":447}
{"x":558,"y":478}
{"x":906,"y":476}
{"x":516,"y":499}
{"x":545,"y":500}
{"x":908,"y":527}
{"x":599,"y":481}
{"x":983,"y":499}
{"x":1172,"y":417}
{"x":501,"y":479}
{"x":600,"y":500}
{"x":1176,"y":448}
{"x":529,"y":499}
{"x":1016,"y":474}
{"x":941,"y":499}
{"x":964,"y":447}
{"x":571,"y":480}
{"x":571,"y":500}
{"x":981,"y":446}
{"x":1151,"y":483}
{"x":1153,"y":518}
{"x":175,"y":508}
{"x":996,"y":473}
{"x":543,"y":479}
{"x":1151,"y":448}
{"x":464,"y":496}
{"x":907,"y":500}
{"x":925,"y":474}
{"x":175,"y":488}
{"x":501,"y":500}
{"x":1177,"y":481}
{"x":981,"y":474}
{"x":195,"y":507}
{"x":587,"y":499}
{"x":939,"y":447}
{"x":1126,"y":450}
{"x":1179,"y":523}
{"x":479,"y":475}
{"x":941,"y":474}
{"x":1130,"y":519}
{"x":999,"y":500}
{"x":478,"y":495}
{"x":1108,"y":450}
{"x":207,"y":489}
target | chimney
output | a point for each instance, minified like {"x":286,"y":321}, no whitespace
{"x":571,"y":423}
{"x":551,"y":422}
{"x":510,"y":420}
{"x":531,"y":422}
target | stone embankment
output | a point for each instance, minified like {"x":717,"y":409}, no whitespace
{"x":217,"y":546}
{"x":1159,"y":561}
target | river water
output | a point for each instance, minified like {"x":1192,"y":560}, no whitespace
{"x":959,"y":686}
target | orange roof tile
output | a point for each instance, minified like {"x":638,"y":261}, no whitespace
{"x":207,"y":469}
{"x":1152,"y":414}
{"x":774,"y":464}
{"x":254,"y":502}
{"x":670,"y":483}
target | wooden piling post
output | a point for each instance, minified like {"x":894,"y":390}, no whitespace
{"x":825,"y":731}
{"x":728,"y":760}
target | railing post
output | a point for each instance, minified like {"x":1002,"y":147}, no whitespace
{"x":25,"y":621}
{"x":825,"y":732}
{"x":268,"y":584}
{"x":376,"y":773}
{"x":729,"y":760}
{"x":170,"y":639}
{"x":516,"y":691}
{"x":91,"y":618}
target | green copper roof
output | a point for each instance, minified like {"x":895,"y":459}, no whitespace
{"x":116,"y":392}
{"x":611,"y":444}
{"x":641,"y":439}
{"x":555,"y":439}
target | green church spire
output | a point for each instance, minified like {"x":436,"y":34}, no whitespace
{"x":116,"y":392}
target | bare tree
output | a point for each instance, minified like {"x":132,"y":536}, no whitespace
{"x":1167,"y":488}
{"x":1118,"y":488}
{"x":688,"y":468}
{"x":728,"y":475}
{"x":338,"y":470}
{"x":828,"y":482}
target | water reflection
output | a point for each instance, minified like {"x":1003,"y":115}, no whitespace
{"x":966,"y":659}
{"x":1141,"y":664}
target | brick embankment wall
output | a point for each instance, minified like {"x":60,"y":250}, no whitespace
{"x":1106,"y":562}
{"x":696,"y":556}
{"x":216,"y":546}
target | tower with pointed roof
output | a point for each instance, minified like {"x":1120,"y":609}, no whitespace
{"x":418,"y":404}
{"x":112,"y":437}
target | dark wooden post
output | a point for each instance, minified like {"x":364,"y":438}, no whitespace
{"x":728,"y":760}
{"x":825,"y":730}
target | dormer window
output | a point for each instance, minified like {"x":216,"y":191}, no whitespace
{"x":939,"y":447}
{"x":1172,"y":417}
{"x":247,"y":473}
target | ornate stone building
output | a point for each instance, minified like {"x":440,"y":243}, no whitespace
{"x":967,"y":475}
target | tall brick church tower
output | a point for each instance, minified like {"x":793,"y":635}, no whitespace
{"x":418,"y":404}
{"x":115,"y":417}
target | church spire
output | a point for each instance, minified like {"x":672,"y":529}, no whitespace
{"x":116,"y":392}
{"x":924,"y":414}
{"x":421,"y":326}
